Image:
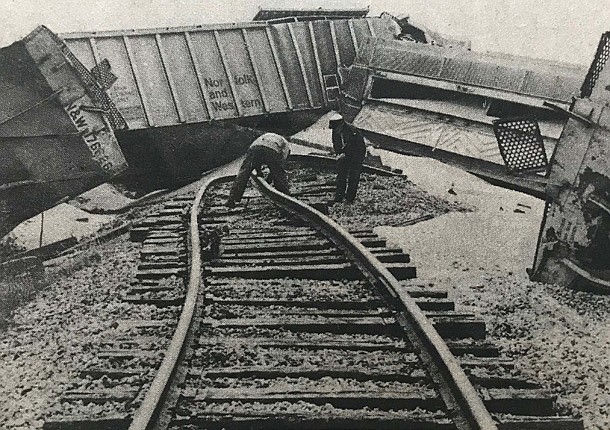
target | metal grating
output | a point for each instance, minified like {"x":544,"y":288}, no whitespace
{"x":94,"y":90}
{"x":521,"y":144}
{"x":601,"y":57}
{"x":103,"y":75}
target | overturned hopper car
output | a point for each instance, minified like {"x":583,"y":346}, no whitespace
{"x":56,"y":128}
{"x":440,"y":102}
{"x":195,"y":97}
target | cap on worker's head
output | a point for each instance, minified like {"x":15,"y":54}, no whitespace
{"x":334,"y":120}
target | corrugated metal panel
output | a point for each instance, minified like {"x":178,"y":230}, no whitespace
{"x":325,"y":47}
{"x":428,"y":129}
{"x":340,"y":13}
{"x":548,"y":81}
{"x":196,"y":74}
{"x":270,"y":77}
{"x":356,"y":83}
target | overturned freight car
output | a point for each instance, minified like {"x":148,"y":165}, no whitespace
{"x":56,"y":128}
{"x":574,"y":241}
{"x":442,"y":102}
{"x":195,"y":97}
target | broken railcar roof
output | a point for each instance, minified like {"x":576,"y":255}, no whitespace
{"x":475,"y":72}
{"x":195,"y":74}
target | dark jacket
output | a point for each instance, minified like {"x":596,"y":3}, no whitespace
{"x":348,"y":140}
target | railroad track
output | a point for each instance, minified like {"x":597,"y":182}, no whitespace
{"x":289,"y":321}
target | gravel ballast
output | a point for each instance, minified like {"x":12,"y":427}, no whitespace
{"x":559,"y":336}
{"x":51,"y":337}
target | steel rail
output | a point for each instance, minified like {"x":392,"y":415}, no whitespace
{"x":153,"y":401}
{"x":464,"y":405}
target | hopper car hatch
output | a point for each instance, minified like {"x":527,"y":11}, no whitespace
{"x":442,"y":101}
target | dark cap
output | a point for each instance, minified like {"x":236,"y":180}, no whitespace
{"x":334,"y":120}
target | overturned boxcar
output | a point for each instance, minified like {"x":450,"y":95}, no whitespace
{"x":191,"y":96}
{"x":56,"y":128}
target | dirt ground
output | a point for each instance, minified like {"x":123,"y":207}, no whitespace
{"x":561,"y":337}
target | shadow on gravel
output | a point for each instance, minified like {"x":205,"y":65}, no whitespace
{"x":17,"y":289}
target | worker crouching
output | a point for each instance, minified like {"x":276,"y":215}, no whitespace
{"x":348,"y":144}
{"x":270,"y":150}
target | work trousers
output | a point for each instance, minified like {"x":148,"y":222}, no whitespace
{"x":348,"y":175}
{"x":256,"y":157}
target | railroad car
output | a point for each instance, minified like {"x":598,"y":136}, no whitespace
{"x":184,"y":90}
{"x":574,"y":240}
{"x":54,"y":140}
{"x":441,"y":102}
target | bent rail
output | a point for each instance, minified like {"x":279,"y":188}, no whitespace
{"x":463,"y":402}
{"x":154,"y":398}
{"x":464,"y":405}
{"x":601,"y":285}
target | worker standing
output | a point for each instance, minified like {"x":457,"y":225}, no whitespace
{"x":271,"y":150}
{"x":348,"y":144}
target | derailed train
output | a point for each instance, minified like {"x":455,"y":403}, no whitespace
{"x":480,"y":111}
{"x":56,"y":128}
{"x":574,"y":241}
{"x":177,"y":101}
{"x":182,"y":90}
{"x":441,"y":103}
{"x":173,"y":102}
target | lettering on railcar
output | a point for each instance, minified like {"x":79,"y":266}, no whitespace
{"x":244,"y":79}
{"x":219,"y":96}
{"x":90,"y":136}
{"x":213,"y":83}
{"x":122,"y":95}
{"x":254,"y":103}
{"x":223,"y":105}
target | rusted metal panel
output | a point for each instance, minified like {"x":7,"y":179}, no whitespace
{"x":550,"y":81}
{"x":576,"y":227}
{"x":196,"y":74}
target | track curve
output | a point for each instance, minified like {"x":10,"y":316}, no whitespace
{"x":294,"y":305}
